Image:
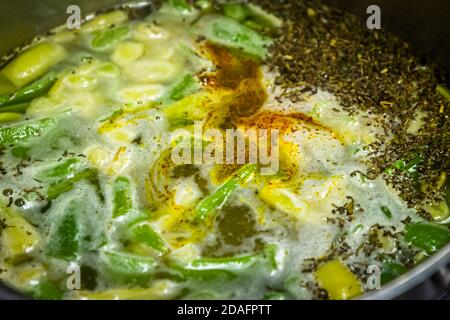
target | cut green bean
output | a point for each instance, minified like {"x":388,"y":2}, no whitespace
{"x":215,"y":269}
{"x":179,"y":4}
{"x":16,"y":108}
{"x":427,"y":236}
{"x":120,"y":266}
{"x":204,"y":5}
{"x":25,"y":130}
{"x":34,"y":90}
{"x":46,"y":290}
{"x":447,"y":197}
{"x":390,"y":271}
{"x":67,"y":170}
{"x":263,"y":17}
{"x":270,"y":254}
{"x":33,"y":63}
{"x":253,"y":25}
{"x":211,"y":275}
{"x":275,"y":296}
{"x":110,"y":37}
{"x":64,"y":242}
{"x":57,"y":189}
{"x":105,"y":21}
{"x":143,"y":233}
{"x":215,"y":201}
{"x":409,"y":167}
{"x":236,"y":11}
{"x":229,"y":264}
{"x":20,"y":152}
{"x":230,"y":33}
{"x":122,"y":198}
{"x":186,"y":86}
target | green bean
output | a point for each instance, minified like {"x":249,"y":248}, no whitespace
{"x":179,"y":123}
{"x":105,"y":21}
{"x":183,"y":274}
{"x":229,"y":264}
{"x":204,"y":5}
{"x":215,"y":269}
{"x":179,"y":4}
{"x":34,"y":90}
{"x":121,"y":266}
{"x":143,"y":233}
{"x":33,"y":63}
{"x":215,"y":201}
{"x":236,"y":11}
{"x":263,"y":17}
{"x":57,"y":189}
{"x":186,"y":86}
{"x":390,"y":271}
{"x":427,"y":236}
{"x":20,"y":152}
{"x":270,"y":254}
{"x":25,"y":130}
{"x":230,"y":33}
{"x":46,"y":290}
{"x":64,"y":242}
{"x":218,"y":269}
{"x":253,"y":25}
{"x":66,"y":170}
{"x":122,"y":199}
{"x":274,"y":295}
{"x":410,"y":168}
{"x":110,"y":37}
{"x":447,"y":197}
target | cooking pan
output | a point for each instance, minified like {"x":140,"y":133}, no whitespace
{"x":422,"y":23}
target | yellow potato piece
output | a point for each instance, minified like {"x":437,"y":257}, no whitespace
{"x":338,"y":281}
